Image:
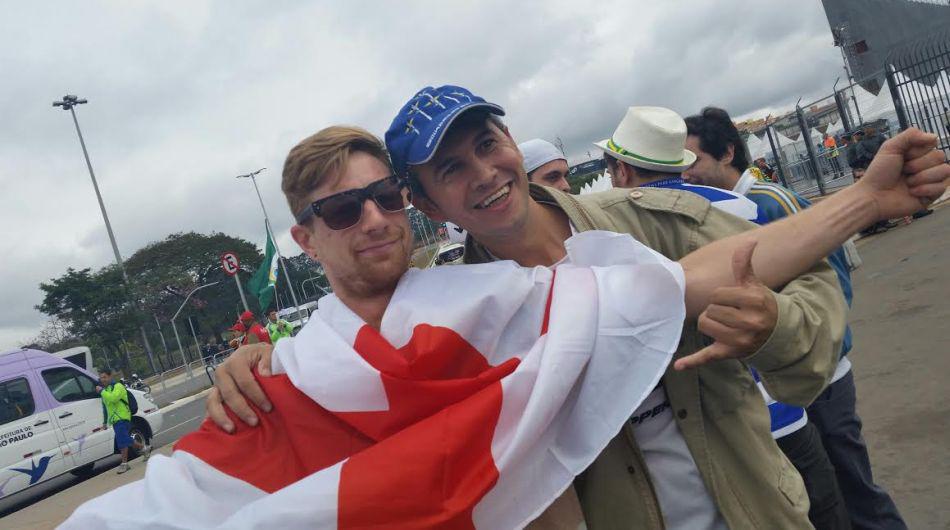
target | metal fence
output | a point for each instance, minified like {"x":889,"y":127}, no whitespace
{"x":185,"y":380}
{"x":919,"y":80}
{"x":812,"y":149}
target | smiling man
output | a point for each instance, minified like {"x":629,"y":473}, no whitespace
{"x":709,"y":460}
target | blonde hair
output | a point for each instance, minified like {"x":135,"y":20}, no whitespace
{"x":322,"y":156}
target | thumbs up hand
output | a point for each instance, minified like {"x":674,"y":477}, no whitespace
{"x":739,"y":319}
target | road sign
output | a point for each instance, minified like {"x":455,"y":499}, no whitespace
{"x":230,"y":263}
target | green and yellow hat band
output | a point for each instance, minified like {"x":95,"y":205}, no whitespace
{"x":621,"y":151}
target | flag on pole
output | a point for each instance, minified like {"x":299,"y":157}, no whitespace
{"x":264,"y":282}
{"x":485,"y":391}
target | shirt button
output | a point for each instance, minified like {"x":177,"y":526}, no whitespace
{"x":636,"y":194}
{"x":681,"y":413}
{"x":631,"y":469}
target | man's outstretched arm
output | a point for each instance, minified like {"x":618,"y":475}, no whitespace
{"x":907,"y":174}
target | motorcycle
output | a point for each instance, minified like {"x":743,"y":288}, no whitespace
{"x":136,"y":383}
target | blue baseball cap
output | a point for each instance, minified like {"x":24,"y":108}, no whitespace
{"x":416,"y":132}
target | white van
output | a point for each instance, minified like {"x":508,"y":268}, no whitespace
{"x":51,"y":420}
{"x":81,"y":356}
{"x":297,"y":318}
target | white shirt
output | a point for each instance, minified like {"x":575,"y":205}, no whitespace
{"x":684,"y":500}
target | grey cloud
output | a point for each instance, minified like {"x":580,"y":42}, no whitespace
{"x":184,"y":96}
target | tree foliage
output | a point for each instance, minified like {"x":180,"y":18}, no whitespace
{"x":96,"y":306}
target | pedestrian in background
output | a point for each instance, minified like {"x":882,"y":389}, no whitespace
{"x":278,"y":328}
{"x":116,"y":412}
{"x":545,"y":164}
{"x":831,"y":147}
{"x":254,"y":327}
{"x":824,"y":441}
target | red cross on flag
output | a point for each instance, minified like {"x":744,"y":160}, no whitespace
{"x":487,"y":389}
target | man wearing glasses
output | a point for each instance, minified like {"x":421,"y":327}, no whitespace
{"x":470,"y":172}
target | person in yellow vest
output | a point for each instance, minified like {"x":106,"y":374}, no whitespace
{"x":278,"y":328}
{"x":115,"y":407}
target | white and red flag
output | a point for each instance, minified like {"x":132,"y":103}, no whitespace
{"x":487,"y":389}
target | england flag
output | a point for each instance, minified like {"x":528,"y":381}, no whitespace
{"x":485,"y":391}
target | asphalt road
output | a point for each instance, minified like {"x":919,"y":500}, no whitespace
{"x":181,"y":388}
{"x":178,"y":422}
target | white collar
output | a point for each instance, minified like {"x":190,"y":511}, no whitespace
{"x":745,"y":182}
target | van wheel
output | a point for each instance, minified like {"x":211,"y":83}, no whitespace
{"x":84,"y":471}
{"x":138,"y":435}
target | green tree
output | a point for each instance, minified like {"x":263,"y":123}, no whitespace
{"x":92,"y":305}
{"x":95,"y":307}
{"x":165,"y":271}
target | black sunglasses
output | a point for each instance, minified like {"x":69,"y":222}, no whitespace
{"x":343,"y":210}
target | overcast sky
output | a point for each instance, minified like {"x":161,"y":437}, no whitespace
{"x":183,"y":96}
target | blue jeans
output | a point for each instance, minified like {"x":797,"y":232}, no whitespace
{"x":869,"y":506}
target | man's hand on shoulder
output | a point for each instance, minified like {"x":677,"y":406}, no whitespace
{"x":739,"y":319}
{"x":234,"y":383}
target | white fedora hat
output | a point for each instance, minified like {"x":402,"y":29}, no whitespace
{"x":653,"y":138}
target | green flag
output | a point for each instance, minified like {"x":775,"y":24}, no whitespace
{"x":263,"y":281}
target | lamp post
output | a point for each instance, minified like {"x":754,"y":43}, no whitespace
{"x":68,"y":103}
{"x":270,"y":233}
{"x":181,"y":350}
{"x":314,"y":280}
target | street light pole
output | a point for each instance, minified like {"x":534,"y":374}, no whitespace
{"x":68,"y":103}
{"x":270,"y":232}
{"x":181,"y":349}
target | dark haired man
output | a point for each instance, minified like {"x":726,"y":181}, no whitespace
{"x":830,"y":444}
{"x":115,"y":412}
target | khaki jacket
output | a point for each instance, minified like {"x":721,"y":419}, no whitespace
{"x":718,"y":408}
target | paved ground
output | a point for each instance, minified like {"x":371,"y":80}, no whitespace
{"x":180,"y":387}
{"x":900,"y":320}
{"x":902,"y":340}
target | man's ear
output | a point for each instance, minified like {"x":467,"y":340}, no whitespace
{"x":622,"y":177}
{"x":728,"y":155}
{"x":304,"y":237}
{"x":428,"y":207}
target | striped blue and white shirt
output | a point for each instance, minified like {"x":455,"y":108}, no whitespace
{"x":727,"y":201}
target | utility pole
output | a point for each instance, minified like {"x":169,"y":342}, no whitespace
{"x":270,"y":232}
{"x":68,"y":103}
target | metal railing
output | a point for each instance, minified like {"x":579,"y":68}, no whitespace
{"x":918,"y":77}
{"x":913,"y":91}
{"x":185,"y":379}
